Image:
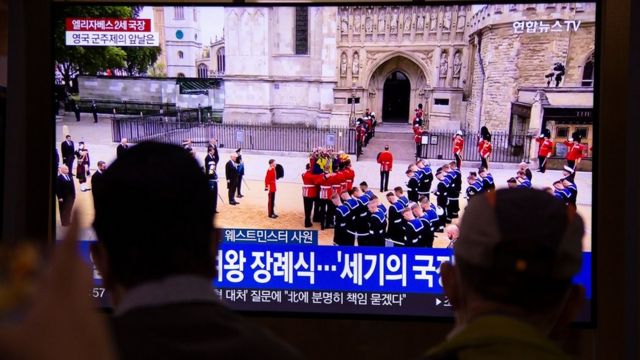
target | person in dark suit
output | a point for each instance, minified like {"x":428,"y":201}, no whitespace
{"x":94,"y":111}
{"x":76,"y":110}
{"x":68,"y":150}
{"x":96,"y":178}
{"x":66,"y":193}
{"x":231,"y":173}
{"x":122,"y":147}
{"x":157,"y":260}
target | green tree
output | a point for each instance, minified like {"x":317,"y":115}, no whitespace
{"x":75,"y":60}
{"x":140,"y":58}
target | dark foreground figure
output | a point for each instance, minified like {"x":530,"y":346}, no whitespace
{"x":511,"y":285}
{"x":156,"y":257}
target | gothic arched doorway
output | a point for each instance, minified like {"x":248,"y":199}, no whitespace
{"x":396,"y":97}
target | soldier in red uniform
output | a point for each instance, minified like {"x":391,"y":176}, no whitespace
{"x":349,"y":175}
{"x":310,"y":191}
{"x":486,"y":151}
{"x":458,"y":146}
{"x":545,"y":150}
{"x":324,"y":198}
{"x":270,"y":186}
{"x":417,"y":137}
{"x":360,"y":135}
{"x":574,"y":152}
{"x":385,"y":159}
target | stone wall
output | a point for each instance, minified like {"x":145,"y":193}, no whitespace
{"x":265,"y":81}
{"x":513,"y":61}
{"x":149,"y":90}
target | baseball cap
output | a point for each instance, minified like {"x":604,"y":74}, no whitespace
{"x":497,"y":233}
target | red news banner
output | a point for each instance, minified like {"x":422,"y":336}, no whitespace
{"x":110,"y":32}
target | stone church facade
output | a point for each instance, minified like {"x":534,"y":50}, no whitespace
{"x":467,"y":65}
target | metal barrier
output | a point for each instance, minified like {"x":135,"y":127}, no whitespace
{"x":507,"y":148}
{"x":267,"y":137}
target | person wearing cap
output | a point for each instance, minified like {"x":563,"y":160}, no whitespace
{"x":568,"y":173}
{"x":385,"y":159}
{"x":310,"y":189}
{"x":417,"y":138}
{"x":574,"y":152}
{"x":395,"y":231}
{"x":374,"y":124}
{"x":511,"y":283}
{"x":545,"y":150}
{"x":486,"y":151}
{"x":270,"y":186}
{"x":442,"y":196}
{"x":458,"y":146}
{"x":360,"y":134}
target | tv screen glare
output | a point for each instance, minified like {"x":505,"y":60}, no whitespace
{"x":355,"y":94}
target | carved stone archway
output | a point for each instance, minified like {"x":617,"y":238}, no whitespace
{"x":414,"y":70}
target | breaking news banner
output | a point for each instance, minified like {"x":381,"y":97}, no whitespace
{"x":110,"y":32}
{"x":330,"y":279}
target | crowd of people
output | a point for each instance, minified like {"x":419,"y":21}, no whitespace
{"x":161,"y":287}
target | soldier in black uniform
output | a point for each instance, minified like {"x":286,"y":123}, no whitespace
{"x":210,"y":170}
{"x":426,"y":177}
{"x":342,"y":216}
{"x":454,"y":189}
{"x":377,"y":223}
{"x":413,"y":228}
{"x":426,"y":234}
{"x":475,"y":186}
{"x":412,"y":185}
{"x":395,"y":231}
{"x":442,"y":195}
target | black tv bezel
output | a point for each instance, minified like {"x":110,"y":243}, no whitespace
{"x":585,"y":324}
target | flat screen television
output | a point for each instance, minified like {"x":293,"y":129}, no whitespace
{"x":330,"y":87}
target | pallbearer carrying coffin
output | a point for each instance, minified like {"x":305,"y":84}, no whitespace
{"x":310,"y":191}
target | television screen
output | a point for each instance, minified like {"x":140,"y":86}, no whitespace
{"x":385,"y":107}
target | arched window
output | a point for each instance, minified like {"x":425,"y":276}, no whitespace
{"x":220,"y":56}
{"x":180,"y":75}
{"x":180,"y":54}
{"x":203,"y":71}
{"x":588,"y":72}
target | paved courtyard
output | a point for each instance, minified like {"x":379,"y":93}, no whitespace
{"x":288,"y":202}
